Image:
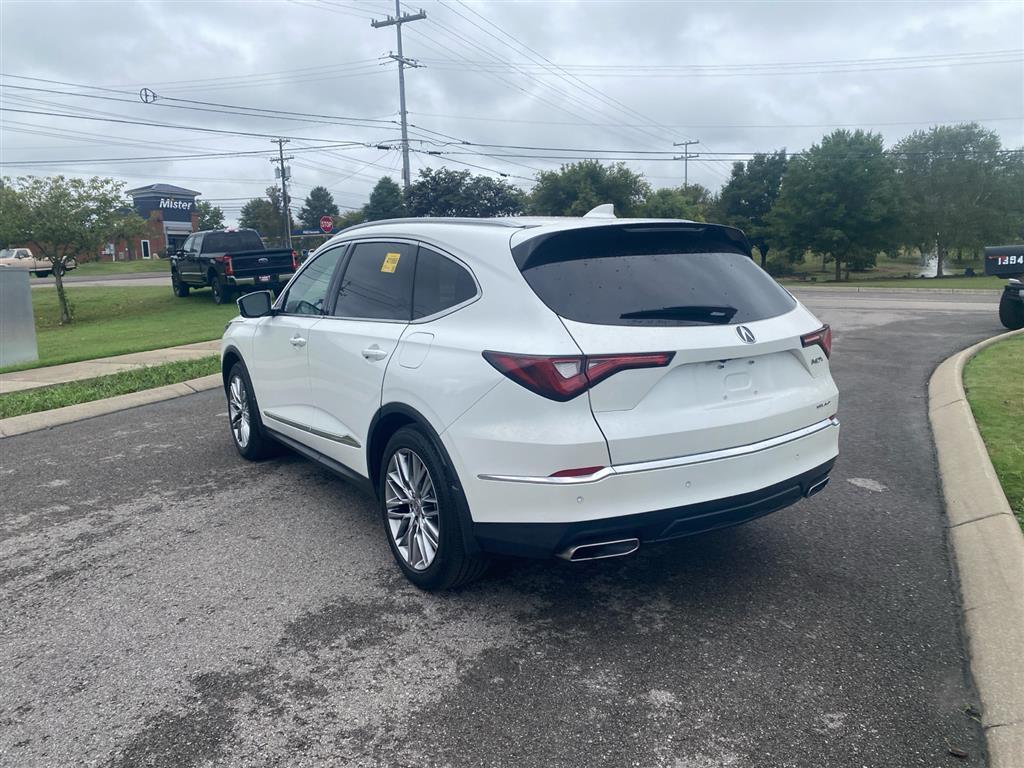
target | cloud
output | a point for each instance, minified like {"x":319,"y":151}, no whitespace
{"x":507,"y":73}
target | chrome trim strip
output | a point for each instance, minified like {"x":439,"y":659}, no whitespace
{"x":343,"y":439}
{"x":678,"y":461}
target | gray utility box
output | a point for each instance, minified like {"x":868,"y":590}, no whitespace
{"x":17,"y":323}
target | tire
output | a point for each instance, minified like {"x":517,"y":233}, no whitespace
{"x":221,"y":290}
{"x":253,"y":443}
{"x":179,"y":288}
{"x":41,"y":273}
{"x":413,"y":528}
{"x":1011,"y":312}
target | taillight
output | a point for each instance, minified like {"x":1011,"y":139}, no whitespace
{"x":822,"y":337}
{"x":295,"y":260}
{"x":564,"y":377}
{"x":228,"y":268}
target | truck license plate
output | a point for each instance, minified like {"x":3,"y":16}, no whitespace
{"x":263,"y":279}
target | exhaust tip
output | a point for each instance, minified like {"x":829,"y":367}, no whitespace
{"x":818,"y":487}
{"x":600,"y":550}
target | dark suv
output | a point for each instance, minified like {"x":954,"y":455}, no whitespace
{"x":228,"y":259}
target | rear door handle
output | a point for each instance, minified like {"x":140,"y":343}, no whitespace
{"x":374,"y":353}
{"x":297,"y":341}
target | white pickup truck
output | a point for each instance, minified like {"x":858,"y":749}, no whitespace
{"x":22,"y":258}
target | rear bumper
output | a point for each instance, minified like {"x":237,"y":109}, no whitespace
{"x":531,"y":539}
{"x":681,"y":496}
{"x":275,"y":280}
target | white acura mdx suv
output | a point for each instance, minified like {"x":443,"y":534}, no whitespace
{"x":539,"y":386}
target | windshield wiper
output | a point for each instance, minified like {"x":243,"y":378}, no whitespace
{"x":692,"y":313}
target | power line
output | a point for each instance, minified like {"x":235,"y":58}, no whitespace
{"x":169,"y":125}
{"x":227,"y":109}
{"x":560,"y":72}
{"x":862,"y":124}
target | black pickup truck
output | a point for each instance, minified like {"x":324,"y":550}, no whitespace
{"x":228,"y":259}
{"x":1008,"y":261}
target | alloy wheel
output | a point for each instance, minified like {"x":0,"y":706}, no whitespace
{"x":238,"y":411}
{"x":412,"y":509}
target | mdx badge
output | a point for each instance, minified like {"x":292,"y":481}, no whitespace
{"x":744,"y":333}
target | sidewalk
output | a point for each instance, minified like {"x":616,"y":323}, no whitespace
{"x":89,"y":369}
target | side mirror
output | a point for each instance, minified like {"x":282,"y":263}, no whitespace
{"x":256,"y":304}
{"x":179,"y":253}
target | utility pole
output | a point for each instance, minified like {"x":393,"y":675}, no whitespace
{"x":284,"y":172}
{"x":686,"y":157}
{"x":397,"y":21}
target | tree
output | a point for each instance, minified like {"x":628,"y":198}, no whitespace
{"x":385,"y":201}
{"x":839,"y":199}
{"x":747,"y":198}
{"x":349,"y":219}
{"x":319,"y":203}
{"x":444,"y":192}
{"x":577,"y":187}
{"x":210,"y":216}
{"x":12,"y":214}
{"x":64,"y":218}
{"x":263,"y":214}
{"x":690,"y":202}
{"x":957,"y":189}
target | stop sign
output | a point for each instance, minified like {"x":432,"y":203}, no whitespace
{"x":326,"y":223}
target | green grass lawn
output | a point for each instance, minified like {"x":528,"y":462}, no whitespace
{"x":994,"y":381}
{"x":100,"y":268}
{"x":86,"y":390}
{"x":119,"y":320}
{"x":898,"y":272}
{"x":982,"y":281}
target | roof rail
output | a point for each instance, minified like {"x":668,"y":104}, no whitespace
{"x":498,"y":221}
{"x":604,"y":211}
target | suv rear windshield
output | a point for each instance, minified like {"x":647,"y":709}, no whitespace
{"x":225,"y":242}
{"x":650,"y":275}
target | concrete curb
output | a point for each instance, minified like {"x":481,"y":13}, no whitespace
{"x":31,"y":422}
{"x":989,"y":549}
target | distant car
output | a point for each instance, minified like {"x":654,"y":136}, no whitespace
{"x":1008,"y":261}
{"x":563,"y":386}
{"x":22,"y":258}
{"x":228,"y":259}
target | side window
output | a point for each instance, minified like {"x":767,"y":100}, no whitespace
{"x":440,"y":284}
{"x":307,"y":294}
{"x":187,"y":245}
{"x":377,"y":283}
{"x":197,"y":243}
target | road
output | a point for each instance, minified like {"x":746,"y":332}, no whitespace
{"x":164,"y":603}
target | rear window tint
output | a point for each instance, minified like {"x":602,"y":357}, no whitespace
{"x":225,"y":242}
{"x":650,"y":276}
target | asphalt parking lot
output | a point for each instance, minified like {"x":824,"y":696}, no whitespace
{"x":164,"y":603}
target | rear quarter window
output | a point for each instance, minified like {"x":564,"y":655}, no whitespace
{"x":650,"y":276}
{"x":440,"y":284}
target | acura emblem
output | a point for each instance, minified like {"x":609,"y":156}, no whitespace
{"x":744,"y":333}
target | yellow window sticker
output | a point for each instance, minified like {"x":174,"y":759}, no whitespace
{"x":390,"y":262}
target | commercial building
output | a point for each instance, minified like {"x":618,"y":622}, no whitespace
{"x":170,"y":214}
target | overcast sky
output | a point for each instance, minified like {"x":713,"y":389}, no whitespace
{"x":632,"y":76}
